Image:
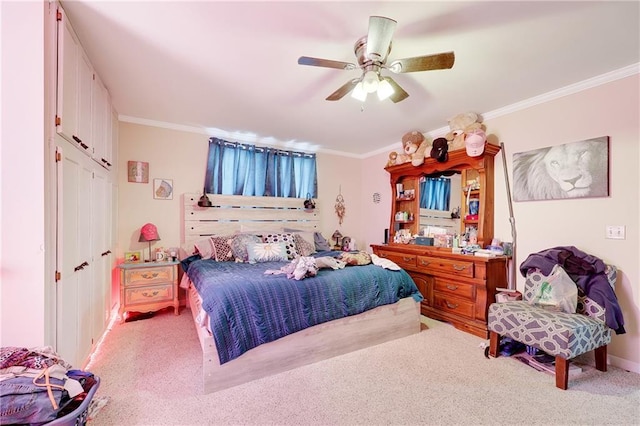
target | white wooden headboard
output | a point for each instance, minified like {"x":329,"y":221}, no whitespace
{"x":230,"y":212}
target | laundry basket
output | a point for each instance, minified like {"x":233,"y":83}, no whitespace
{"x":80,"y":414}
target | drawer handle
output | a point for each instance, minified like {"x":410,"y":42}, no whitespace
{"x":425,"y":262}
{"x":452,"y":287}
{"x":383,"y":254}
{"x":149,"y":276}
{"x":459,"y":268}
{"x":407,"y":259}
{"x":145,"y":294}
{"x":451,"y":305}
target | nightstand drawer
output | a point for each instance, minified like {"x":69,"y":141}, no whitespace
{"x":449,"y":266}
{"x":403,"y":260}
{"x":457,"y":289}
{"x":149,"y":294}
{"x":147,"y":276}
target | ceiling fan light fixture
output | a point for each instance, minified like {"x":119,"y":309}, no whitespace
{"x":384,"y":90}
{"x":370,"y":81}
{"x":359,"y":93}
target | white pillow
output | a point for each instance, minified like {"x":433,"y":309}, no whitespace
{"x":385,"y":263}
{"x":205,"y":248}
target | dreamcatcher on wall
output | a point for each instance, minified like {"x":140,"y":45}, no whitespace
{"x":340,"y":208}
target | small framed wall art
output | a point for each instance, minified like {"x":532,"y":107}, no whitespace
{"x":163,"y":189}
{"x":138,"y":171}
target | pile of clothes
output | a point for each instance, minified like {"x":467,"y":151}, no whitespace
{"x":37,"y":386}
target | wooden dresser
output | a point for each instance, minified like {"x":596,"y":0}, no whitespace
{"x":457,"y":288}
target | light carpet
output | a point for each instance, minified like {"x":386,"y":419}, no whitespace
{"x":151,"y":372}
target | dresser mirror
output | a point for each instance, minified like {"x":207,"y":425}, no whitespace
{"x":437,"y":212}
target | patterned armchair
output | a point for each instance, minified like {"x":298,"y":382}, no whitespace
{"x":560,"y":334}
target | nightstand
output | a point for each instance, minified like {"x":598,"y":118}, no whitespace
{"x":149,"y":286}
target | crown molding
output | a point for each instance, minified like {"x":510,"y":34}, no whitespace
{"x":590,"y":83}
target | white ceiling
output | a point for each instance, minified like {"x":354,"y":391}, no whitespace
{"x":230,"y":68}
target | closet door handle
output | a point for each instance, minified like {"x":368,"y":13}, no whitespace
{"x":80,"y":266}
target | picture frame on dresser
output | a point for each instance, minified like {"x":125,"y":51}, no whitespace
{"x":132,"y":257}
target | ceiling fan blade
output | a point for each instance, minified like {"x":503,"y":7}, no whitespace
{"x":423,"y":63}
{"x":317,"y":62}
{"x":346,"y":88}
{"x":398,"y":92}
{"x":379,"y":37}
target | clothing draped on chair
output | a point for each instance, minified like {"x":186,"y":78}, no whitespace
{"x":242,"y":169}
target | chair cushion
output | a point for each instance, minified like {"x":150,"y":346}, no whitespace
{"x":556,"y":333}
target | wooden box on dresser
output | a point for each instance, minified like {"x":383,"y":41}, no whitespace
{"x":457,"y":288}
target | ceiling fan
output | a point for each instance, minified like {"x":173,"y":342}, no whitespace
{"x":372,"y":52}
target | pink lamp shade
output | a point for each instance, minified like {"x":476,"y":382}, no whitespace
{"x":149,"y":232}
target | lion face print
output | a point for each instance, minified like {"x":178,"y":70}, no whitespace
{"x":571,"y":170}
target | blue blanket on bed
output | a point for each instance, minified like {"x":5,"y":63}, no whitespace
{"x":248,"y":308}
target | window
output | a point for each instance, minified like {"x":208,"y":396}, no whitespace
{"x":241,"y":169}
{"x":435,"y":193}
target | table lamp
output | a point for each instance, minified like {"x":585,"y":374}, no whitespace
{"x":149,"y":233}
{"x":337,"y":235}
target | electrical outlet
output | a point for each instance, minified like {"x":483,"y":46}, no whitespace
{"x":615,"y":232}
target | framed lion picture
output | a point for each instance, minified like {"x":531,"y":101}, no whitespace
{"x":572,"y":170}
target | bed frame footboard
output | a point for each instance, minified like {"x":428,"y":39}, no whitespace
{"x":308,"y":346}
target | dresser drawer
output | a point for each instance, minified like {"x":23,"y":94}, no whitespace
{"x":147,"y":276}
{"x":453,"y":305}
{"x":461,"y":290}
{"x":149,"y":294}
{"x":403,"y":260}
{"x":449,"y":266}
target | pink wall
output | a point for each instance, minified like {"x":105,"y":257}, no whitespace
{"x":22,"y":222}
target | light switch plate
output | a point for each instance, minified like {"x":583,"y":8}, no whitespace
{"x":615,"y":232}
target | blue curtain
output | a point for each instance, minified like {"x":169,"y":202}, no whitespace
{"x":435,"y":193}
{"x":241,"y":169}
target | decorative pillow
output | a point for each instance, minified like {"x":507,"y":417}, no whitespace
{"x":204,"y":248}
{"x":222,"y":248}
{"x":359,"y":258}
{"x":267,"y":252}
{"x":286,"y":238}
{"x":307,"y":235}
{"x":320,"y":242}
{"x":239,"y":245}
{"x":303,"y":247}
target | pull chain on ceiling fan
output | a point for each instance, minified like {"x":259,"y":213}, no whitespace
{"x":372,"y":52}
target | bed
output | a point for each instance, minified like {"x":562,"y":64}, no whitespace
{"x":313,"y":328}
